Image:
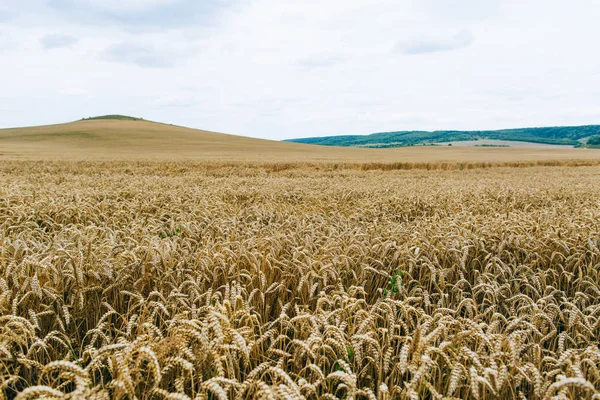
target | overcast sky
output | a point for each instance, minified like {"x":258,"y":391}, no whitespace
{"x":282,"y":69}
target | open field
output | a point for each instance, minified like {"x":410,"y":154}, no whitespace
{"x":143,"y":140}
{"x":179,"y":280}
{"x":505,"y":143}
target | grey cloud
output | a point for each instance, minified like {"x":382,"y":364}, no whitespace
{"x":158,"y":16}
{"x":140,"y":55}
{"x":57,"y":41}
{"x":425,"y":45}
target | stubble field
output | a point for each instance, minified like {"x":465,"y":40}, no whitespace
{"x":214,"y":281}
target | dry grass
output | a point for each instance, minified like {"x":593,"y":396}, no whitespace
{"x":215,"y":281}
{"x":143,"y":140}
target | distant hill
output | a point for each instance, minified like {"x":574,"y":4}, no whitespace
{"x":118,"y":137}
{"x":123,"y":137}
{"x":564,"y":135}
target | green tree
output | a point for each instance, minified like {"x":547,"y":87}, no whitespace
{"x":594,"y":141}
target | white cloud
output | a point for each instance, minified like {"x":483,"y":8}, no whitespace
{"x":320,"y":61}
{"x":175,"y":101}
{"x":76,"y":91}
{"x":141,"y":15}
{"x":424,"y":44}
{"x":465,"y":10}
{"x":4,"y":40}
{"x":281,"y":69}
{"x":53,"y":41}
{"x":129,"y":5}
{"x":140,"y":55}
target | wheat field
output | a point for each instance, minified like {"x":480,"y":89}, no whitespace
{"x":180,"y":280}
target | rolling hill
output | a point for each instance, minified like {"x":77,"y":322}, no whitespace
{"x":118,"y":137}
{"x":122,"y":137}
{"x":567,"y":135}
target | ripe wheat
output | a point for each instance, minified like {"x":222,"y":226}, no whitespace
{"x":198,"y":281}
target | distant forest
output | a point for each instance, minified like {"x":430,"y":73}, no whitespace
{"x":564,"y":135}
{"x":594,"y":141}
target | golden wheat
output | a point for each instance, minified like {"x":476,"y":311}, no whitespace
{"x":320,"y":281}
